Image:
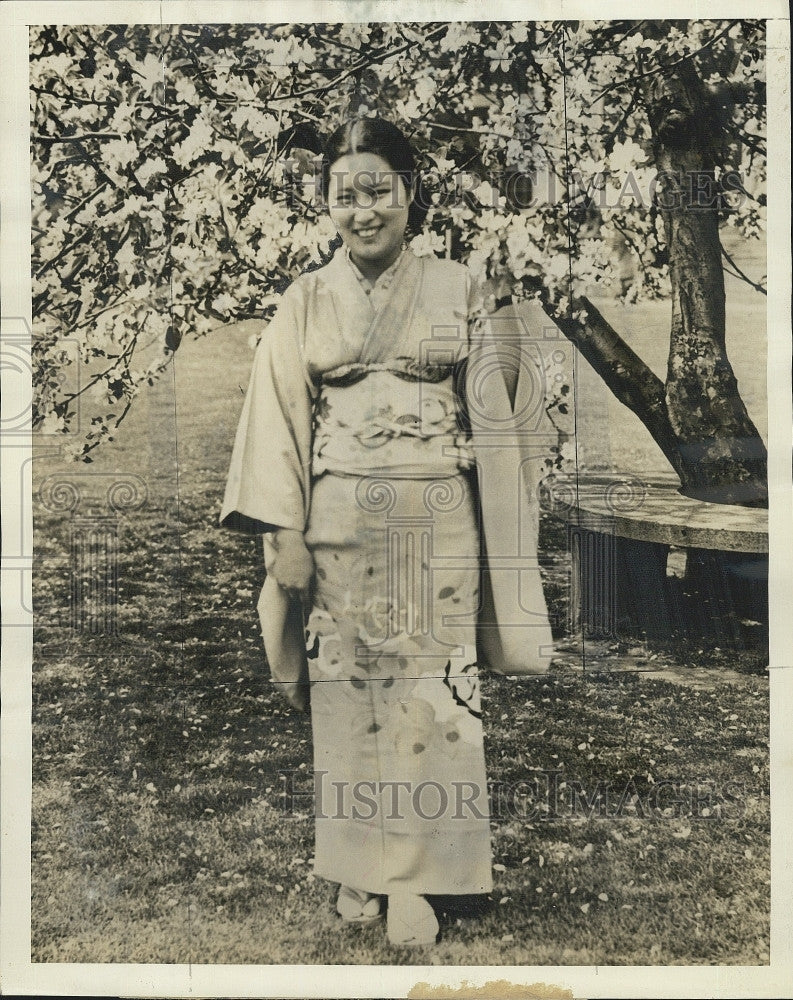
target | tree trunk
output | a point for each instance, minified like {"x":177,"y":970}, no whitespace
{"x":721,"y":455}
{"x":697,"y":416}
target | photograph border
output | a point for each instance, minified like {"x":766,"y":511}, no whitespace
{"x":17,"y":974}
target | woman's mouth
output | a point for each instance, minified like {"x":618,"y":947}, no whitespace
{"x":368,"y":233}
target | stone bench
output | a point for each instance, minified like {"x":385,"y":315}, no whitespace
{"x":620,"y":533}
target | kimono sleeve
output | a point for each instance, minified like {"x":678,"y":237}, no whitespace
{"x":269,"y":478}
{"x":514,"y":635}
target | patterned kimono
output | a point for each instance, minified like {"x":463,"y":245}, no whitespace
{"x":354,"y":433}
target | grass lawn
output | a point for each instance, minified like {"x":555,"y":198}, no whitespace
{"x":160,"y":832}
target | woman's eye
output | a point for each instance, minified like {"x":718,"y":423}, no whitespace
{"x":365,"y":199}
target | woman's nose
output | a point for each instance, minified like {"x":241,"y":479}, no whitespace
{"x":364,"y":206}
{"x":363,"y":212}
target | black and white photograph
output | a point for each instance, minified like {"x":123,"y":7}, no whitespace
{"x":396,"y":500}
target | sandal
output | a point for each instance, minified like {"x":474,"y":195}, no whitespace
{"x":411,"y":920}
{"x":357,"y":907}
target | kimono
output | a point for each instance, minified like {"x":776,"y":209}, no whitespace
{"x":377,"y":421}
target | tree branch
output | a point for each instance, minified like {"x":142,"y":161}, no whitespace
{"x":37,"y":137}
{"x":610,"y":37}
{"x":662,"y":67}
{"x":67,"y":249}
{"x":738,"y":273}
{"x":84,"y":201}
{"x":335,"y":41}
{"x":612,"y":135}
{"x":118,"y":359}
{"x":379,"y":56}
{"x":754,"y":142}
{"x":631,"y":381}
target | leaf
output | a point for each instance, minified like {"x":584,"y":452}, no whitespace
{"x":172,"y":338}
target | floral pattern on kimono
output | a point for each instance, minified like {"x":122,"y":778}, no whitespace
{"x":352,"y":433}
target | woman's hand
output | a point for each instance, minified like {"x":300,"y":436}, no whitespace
{"x":290,"y":563}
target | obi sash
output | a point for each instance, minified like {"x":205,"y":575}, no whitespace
{"x":386,"y":420}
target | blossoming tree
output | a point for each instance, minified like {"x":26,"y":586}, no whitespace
{"x":173,"y":193}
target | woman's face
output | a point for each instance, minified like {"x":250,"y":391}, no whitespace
{"x":368,"y":203}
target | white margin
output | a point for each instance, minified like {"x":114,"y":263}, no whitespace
{"x":18,"y":974}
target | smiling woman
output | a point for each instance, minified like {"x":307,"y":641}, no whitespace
{"x":369,"y":180}
{"x":355,"y":456}
{"x":368,"y":203}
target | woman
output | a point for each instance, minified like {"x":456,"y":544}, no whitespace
{"x":354,"y":455}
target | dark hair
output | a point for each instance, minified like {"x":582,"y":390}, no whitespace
{"x":376,"y":135}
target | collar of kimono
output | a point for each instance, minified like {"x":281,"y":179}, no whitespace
{"x":390,"y":321}
{"x":383,"y":280}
